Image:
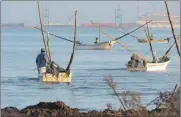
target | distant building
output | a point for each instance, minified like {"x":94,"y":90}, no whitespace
{"x":159,"y":20}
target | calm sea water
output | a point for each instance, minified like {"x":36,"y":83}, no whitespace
{"x":20,"y":86}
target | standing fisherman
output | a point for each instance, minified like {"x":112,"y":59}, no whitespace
{"x":41,"y":62}
{"x":97,"y":41}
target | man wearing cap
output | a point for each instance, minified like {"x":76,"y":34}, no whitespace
{"x":41,"y":61}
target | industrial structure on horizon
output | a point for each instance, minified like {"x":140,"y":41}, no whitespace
{"x":159,"y":20}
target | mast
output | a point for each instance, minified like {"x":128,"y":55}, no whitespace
{"x":173,"y":32}
{"x":151,"y":48}
{"x":72,"y":56}
{"x":42,"y":30}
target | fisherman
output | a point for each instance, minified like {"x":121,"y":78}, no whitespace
{"x":155,"y":60}
{"x":97,"y":41}
{"x":132,"y":62}
{"x":41,"y":61}
{"x":55,"y":68}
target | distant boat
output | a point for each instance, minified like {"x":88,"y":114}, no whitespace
{"x":153,"y":41}
{"x":98,"y":46}
{"x":160,"y":20}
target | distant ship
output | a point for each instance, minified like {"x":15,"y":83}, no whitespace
{"x":12,"y":25}
{"x":159,"y":20}
{"x":99,"y":24}
{"x":58,"y":25}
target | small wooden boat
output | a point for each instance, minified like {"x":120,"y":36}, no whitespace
{"x":98,"y":46}
{"x":151,"y":66}
{"x":56,"y":74}
{"x":62,"y":77}
{"x":140,"y":63}
{"x":153,"y":41}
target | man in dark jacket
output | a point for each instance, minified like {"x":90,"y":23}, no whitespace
{"x":41,"y":61}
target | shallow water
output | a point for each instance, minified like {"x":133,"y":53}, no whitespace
{"x":88,"y":91}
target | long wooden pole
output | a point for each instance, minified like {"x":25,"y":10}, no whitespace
{"x":151,"y":48}
{"x":173,"y":32}
{"x":42,"y":30}
{"x":49,"y":53}
{"x":125,"y":33}
{"x":166,"y":53}
{"x":132,"y":31}
{"x":72,"y":56}
{"x":56,"y":35}
{"x":129,"y":50}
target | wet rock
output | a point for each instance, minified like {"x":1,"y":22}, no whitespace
{"x":11,"y":112}
{"x":53,"y":109}
{"x":59,"y":109}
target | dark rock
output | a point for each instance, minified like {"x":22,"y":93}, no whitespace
{"x":11,"y":112}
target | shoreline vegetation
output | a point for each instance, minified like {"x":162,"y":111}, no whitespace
{"x":167,"y":105}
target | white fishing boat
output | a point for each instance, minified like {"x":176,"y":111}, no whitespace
{"x":153,"y":41}
{"x":140,"y":63}
{"x":98,"y":46}
{"x":151,"y":66}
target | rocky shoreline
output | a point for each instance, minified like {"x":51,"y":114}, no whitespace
{"x":59,"y":109}
{"x":168,"y":105}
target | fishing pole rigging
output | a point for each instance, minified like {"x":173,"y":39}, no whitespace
{"x":113,"y":39}
{"x":63,"y":38}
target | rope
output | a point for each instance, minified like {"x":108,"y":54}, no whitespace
{"x":77,"y":42}
{"x":125,"y":33}
{"x":118,"y":41}
{"x":132,"y":31}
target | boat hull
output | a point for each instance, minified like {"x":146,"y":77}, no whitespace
{"x":63,"y":77}
{"x":153,"y":41}
{"x":151,"y":67}
{"x":99,"y":46}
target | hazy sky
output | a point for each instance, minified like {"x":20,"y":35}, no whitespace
{"x":98,"y":11}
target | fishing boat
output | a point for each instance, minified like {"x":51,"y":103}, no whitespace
{"x":153,"y":41}
{"x":151,"y":66}
{"x":138,"y":63}
{"x":62,"y":75}
{"x":98,"y":46}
